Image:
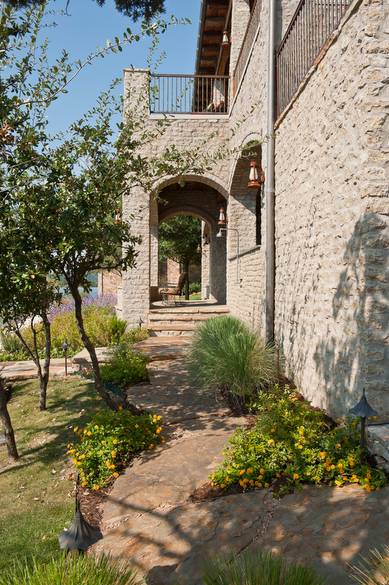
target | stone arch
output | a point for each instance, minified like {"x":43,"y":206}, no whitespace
{"x":207,"y":179}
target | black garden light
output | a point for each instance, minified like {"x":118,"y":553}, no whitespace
{"x":363,"y":410}
{"x":80,"y":535}
{"x":65,"y":347}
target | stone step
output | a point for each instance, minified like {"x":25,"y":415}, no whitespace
{"x":214,"y":310}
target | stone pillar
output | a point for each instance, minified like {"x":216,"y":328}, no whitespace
{"x":217,"y":267}
{"x":204,"y":263}
{"x":154,"y":239}
{"x":240,"y":18}
{"x":134,"y":300}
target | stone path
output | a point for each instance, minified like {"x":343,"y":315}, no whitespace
{"x":149,"y":520}
{"x":23,"y":370}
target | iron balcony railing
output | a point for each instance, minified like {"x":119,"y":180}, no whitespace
{"x":247,"y":44}
{"x":311,"y":26}
{"x":188,"y":94}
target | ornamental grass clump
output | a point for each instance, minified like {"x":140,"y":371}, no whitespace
{"x":373,"y":570}
{"x":108,"y":443}
{"x":290,"y":444}
{"x":70,"y":570}
{"x":257,"y":568}
{"x":226,"y":355}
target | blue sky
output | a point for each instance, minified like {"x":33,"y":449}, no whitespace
{"x":89,"y":26}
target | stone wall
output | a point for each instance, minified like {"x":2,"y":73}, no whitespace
{"x":332,"y":221}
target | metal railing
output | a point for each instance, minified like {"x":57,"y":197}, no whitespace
{"x":188,"y":94}
{"x":311,"y":26}
{"x":247,"y":44}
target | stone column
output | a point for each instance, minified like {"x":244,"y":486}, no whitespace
{"x":217,"y":267}
{"x":240,"y":18}
{"x":154,"y":239}
{"x":134,"y":301}
{"x":204,"y":263}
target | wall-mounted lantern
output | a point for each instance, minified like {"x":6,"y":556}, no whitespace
{"x":256,"y":178}
{"x":222,"y":218}
{"x":226,"y":40}
{"x":118,"y":216}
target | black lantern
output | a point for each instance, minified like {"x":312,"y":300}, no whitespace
{"x":81,"y":535}
{"x":65,"y":348}
{"x":363,"y":410}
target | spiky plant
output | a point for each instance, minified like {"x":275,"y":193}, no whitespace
{"x":373,"y":570}
{"x":226,"y":355}
{"x":70,"y":570}
{"x":257,"y":568}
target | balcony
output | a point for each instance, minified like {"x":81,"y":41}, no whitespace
{"x":189,"y":94}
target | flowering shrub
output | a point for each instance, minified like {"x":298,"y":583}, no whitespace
{"x":291,"y":443}
{"x":125,"y":368}
{"x":109,"y":441}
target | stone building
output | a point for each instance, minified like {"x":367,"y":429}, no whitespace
{"x":299,"y":90}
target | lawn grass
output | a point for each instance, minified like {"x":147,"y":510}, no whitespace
{"x":36,"y":493}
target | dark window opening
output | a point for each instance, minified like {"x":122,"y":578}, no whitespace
{"x":258,"y":216}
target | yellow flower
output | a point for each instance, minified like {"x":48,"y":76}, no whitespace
{"x":75,"y":429}
{"x":113,"y":454}
{"x":323,"y":454}
{"x":250,"y":470}
{"x":258,"y":484}
{"x":116,"y":475}
{"x":115,"y":442}
{"x":88,"y":433}
{"x":339,"y":482}
{"x":301,"y":430}
{"x":271,"y":442}
{"x":95,"y":487}
{"x":340,"y":466}
{"x":242,"y":471}
{"x":296,"y":476}
{"x":159,"y":429}
{"x":354,"y":478}
{"x":81,"y":456}
{"x":242,"y":483}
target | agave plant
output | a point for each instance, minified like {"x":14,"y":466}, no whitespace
{"x":226,"y":355}
{"x":373,"y":570}
{"x":70,"y":570}
{"x":257,"y":568}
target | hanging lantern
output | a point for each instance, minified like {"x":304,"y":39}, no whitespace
{"x":222,"y":217}
{"x":254,"y":182}
{"x":118,"y":216}
{"x":226,"y":40}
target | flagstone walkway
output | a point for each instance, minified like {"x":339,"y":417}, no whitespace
{"x":149,"y":519}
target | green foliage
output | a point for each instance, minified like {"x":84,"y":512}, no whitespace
{"x":70,"y":570}
{"x":108,"y":443}
{"x":102,"y":325}
{"x":374,"y":570}
{"x":135,"y":335}
{"x":195,"y":287}
{"x":179,"y":238}
{"x":257,"y":568}
{"x":225,"y":354}
{"x":126,"y":367}
{"x":291,"y":444}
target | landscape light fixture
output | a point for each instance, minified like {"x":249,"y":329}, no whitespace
{"x":226,"y":40}
{"x":65,"y":347}
{"x":363,"y":410}
{"x":81,"y":535}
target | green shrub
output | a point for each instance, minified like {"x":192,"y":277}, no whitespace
{"x":71,"y":570}
{"x":292,"y":443}
{"x":136,"y":335}
{"x":126,"y":367}
{"x":194,"y":287}
{"x":225,"y":354}
{"x":257,"y":568}
{"x":374,"y":570}
{"x":109,"y":441}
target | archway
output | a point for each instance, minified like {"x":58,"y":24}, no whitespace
{"x":202,"y":201}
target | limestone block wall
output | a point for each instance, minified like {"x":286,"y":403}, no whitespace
{"x":332,"y":221}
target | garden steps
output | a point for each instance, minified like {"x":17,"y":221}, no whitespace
{"x":181,"y":320}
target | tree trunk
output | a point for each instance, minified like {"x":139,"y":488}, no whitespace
{"x":90,"y":349}
{"x":44,"y":375}
{"x":7,"y":424}
{"x":186,"y":268}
